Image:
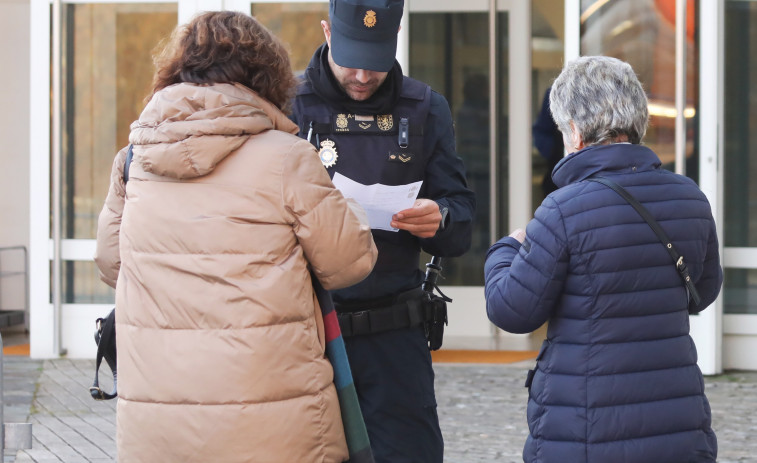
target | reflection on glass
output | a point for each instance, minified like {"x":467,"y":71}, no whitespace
{"x":642,"y":33}
{"x":740,"y":120}
{"x":740,"y":291}
{"x":548,"y":31}
{"x":82,"y":285}
{"x":107,"y":70}
{"x":450,"y":52}
{"x":106,"y":75}
{"x":297,"y":24}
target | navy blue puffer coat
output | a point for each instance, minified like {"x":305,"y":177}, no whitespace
{"x":616,"y":380}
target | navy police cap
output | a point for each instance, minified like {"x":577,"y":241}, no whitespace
{"x":364,"y":33}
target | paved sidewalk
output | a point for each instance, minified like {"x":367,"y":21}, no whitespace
{"x":481,"y":407}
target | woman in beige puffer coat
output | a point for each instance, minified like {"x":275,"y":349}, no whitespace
{"x":210,"y":246}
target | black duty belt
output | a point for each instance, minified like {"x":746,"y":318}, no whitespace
{"x":403,"y":314}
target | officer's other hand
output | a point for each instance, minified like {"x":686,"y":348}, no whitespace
{"x":421,"y":220}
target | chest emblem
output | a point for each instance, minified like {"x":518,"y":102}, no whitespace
{"x":385,"y":122}
{"x":370,"y":18}
{"x":364,"y":125}
{"x":327,"y":153}
{"x":341,"y":121}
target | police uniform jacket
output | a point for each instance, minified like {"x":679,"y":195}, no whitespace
{"x":220,"y":337}
{"x":369,"y":150}
{"x":617,"y":377}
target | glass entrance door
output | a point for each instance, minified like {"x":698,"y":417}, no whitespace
{"x":478,"y":55}
{"x":91,"y":69}
{"x":740,"y":187}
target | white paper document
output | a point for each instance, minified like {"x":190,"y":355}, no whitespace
{"x":380,"y":202}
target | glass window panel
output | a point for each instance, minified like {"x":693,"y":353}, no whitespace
{"x":450,"y":52}
{"x":82,"y":285}
{"x":298,"y":25}
{"x":106,"y":76}
{"x":548,"y":31}
{"x":107,"y":70}
{"x":740,"y":291}
{"x":642,"y":33}
{"x":740,"y":123}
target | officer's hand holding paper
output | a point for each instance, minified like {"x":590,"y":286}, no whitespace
{"x":381,"y":202}
{"x":421,"y":220}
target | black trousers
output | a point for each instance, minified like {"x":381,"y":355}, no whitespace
{"x":395,"y":385}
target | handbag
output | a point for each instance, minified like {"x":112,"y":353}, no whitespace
{"x":105,"y":338}
{"x":680,"y":264}
{"x":105,"y":332}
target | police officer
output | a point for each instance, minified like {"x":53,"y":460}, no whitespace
{"x":373,"y":125}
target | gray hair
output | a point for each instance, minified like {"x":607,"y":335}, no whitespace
{"x":603,"y":98}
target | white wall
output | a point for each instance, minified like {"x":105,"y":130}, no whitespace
{"x":14,"y":123}
{"x":14,"y":147}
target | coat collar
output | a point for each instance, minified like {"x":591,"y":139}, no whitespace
{"x":617,"y":158}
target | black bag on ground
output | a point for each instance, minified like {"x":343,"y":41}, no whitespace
{"x":105,"y":338}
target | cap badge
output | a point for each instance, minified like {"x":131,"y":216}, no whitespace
{"x":370,"y":18}
{"x":327,"y":153}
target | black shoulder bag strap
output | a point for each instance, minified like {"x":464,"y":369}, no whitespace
{"x":683,"y":270}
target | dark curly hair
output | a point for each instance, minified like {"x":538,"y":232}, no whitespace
{"x":227,"y":47}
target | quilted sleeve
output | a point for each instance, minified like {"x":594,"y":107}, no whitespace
{"x":334,"y":233}
{"x":710,"y":282}
{"x":523,"y":283}
{"x":107,"y":256}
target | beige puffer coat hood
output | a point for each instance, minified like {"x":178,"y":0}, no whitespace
{"x":220,"y":337}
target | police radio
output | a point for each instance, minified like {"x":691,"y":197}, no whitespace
{"x":435,"y":307}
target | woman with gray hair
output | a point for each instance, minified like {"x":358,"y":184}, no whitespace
{"x":617,"y":379}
